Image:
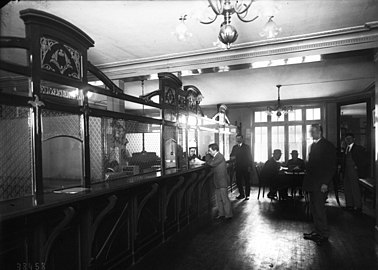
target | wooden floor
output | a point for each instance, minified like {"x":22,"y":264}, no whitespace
{"x":268,"y":235}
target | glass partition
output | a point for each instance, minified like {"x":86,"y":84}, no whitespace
{"x":182,"y":154}
{"x":205,"y":138}
{"x":170,"y":147}
{"x":16,"y":152}
{"x":62,"y":150}
{"x":14,"y":84}
{"x":121,"y":148}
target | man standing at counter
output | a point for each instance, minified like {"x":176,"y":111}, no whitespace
{"x":241,"y":152}
{"x":218,"y":163}
{"x":321,"y":167}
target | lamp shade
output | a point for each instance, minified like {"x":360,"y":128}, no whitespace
{"x":228,"y":34}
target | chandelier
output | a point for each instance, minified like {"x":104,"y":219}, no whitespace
{"x":279,"y":108}
{"x":227,"y":8}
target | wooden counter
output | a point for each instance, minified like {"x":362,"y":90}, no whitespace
{"x":111,"y":225}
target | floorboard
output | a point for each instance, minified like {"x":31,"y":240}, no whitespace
{"x":268,"y":235}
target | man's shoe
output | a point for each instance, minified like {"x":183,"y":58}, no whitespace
{"x":309,"y":234}
{"x":228,"y":219}
{"x":272,"y":196}
{"x":239,"y":197}
{"x":320,"y":240}
{"x":358,"y":210}
{"x":246,"y":198}
{"x":317,"y":238}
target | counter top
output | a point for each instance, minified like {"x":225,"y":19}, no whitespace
{"x":31,"y":204}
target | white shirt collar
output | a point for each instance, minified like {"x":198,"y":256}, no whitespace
{"x":350,"y":146}
{"x":316,"y":141}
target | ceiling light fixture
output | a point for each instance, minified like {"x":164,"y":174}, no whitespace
{"x":270,"y":30}
{"x":279,"y":108}
{"x":181,"y":32}
{"x":226,"y":8}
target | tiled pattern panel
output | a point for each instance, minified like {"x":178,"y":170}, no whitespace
{"x":96,"y":149}
{"x":58,"y":123}
{"x":15,"y":157}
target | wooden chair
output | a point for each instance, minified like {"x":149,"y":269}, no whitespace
{"x":261,"y":182}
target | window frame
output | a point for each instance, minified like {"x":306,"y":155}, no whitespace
{"x":286,"y":123}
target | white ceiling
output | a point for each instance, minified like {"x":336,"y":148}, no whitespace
{"x":126,"y":31}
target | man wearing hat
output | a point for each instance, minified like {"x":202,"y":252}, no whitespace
{"x":295,"y":163}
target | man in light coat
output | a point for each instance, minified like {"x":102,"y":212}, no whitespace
{"x":218,"y":163}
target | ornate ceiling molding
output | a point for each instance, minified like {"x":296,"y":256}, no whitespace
{"x":332,"y":41}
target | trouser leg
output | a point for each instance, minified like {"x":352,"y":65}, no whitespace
{"x":355,"y":189}
{"x":318,"y":210}
{"x":226,"y":202}
{"x":218,"y":201}
{"x":247,"y":181}
{"x":348,"y":190}
{"x":239,"y":182}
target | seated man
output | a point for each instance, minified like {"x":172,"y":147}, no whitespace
{"x":295,"y":163}
{"x":270,"y":171}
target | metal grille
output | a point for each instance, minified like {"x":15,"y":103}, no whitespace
{"x":96,"y":149}
{"x":15,"y":157}
{"x":59,"y":123}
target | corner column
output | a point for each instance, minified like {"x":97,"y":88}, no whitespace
{"x":375,"y":122}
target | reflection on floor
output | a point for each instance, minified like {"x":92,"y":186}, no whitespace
{"x":268,"y":235}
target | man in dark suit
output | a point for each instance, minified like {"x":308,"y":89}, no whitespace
{"x":218,"y":163}
{"x":320,"y":169}
{"x":241,"y":152}
{"x":295,"y":163}
{"x":354,"y":167}
{"x":269,"y":173}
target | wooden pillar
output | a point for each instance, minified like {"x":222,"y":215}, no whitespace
{"x":114,"y":104}
{"x":375,"y":122}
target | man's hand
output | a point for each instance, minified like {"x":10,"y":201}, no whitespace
{"x":324,"y":188}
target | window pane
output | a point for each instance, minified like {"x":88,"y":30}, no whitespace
{"x":261,"y":117}
{"x":278,"y":140}
{"x":309,"y":140}
{"x":261,"y":144}
{"x":313,"y":114}
{"x":277,"y":119}
{"x":295,"y":139}
{"x":295,"y":115}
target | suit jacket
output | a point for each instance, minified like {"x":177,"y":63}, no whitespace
{"x":218,"y":163}
{"x":321,"y":165}
{"x":359,"y":157}
{"x":270,"y":170}
{"x":242,"y":155}
{"x":291,"y":164}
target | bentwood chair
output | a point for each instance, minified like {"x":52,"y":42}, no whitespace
{"x":261,"y":182}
